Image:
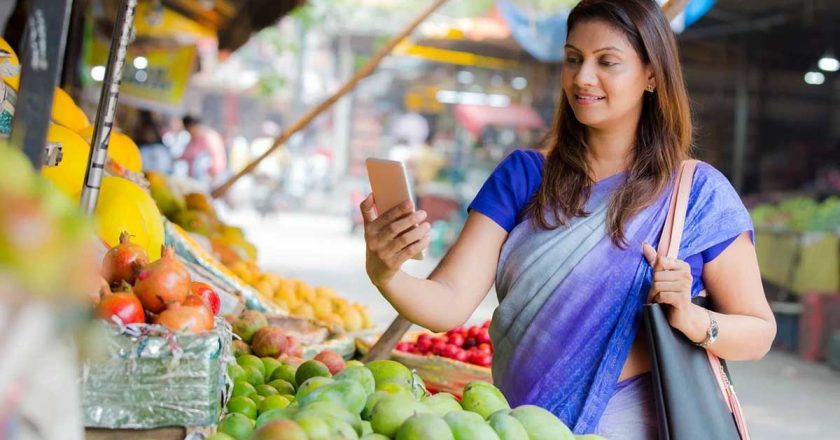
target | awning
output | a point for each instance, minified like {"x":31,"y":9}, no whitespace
{"x":231,"y":21}
{"x":475,"y":117}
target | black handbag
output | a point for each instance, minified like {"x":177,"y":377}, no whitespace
{"x":694,"y":397}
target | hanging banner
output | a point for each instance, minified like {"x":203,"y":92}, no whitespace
{"x":153,"y":76}
{"x":543,"y":34}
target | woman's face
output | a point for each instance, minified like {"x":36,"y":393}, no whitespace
{"x":603,"y":76}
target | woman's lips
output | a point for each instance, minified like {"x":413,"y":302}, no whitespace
{"x":586,"y":99}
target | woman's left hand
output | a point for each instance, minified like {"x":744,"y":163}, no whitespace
{"x":672,"y":283}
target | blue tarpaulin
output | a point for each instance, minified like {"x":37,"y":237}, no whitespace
{"x":543,"y":35}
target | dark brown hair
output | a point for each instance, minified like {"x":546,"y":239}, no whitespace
{"x":663,"y":136}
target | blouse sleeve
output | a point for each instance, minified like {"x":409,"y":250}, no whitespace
{"x":716,"y":215}
{"x":509,"y":188}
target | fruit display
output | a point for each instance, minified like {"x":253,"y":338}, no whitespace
{"x":194,"y":213}
{"x":381,"y":400}
{"x":319,"y":303}
{"x":799,"y":214}
{"x":160,"y":292}
{"x":463,"y":344}
{"x":287,"y":338}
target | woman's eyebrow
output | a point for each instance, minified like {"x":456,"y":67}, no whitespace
{"x":569,"y":46}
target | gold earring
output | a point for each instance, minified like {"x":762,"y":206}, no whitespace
{"x":650,"y":88}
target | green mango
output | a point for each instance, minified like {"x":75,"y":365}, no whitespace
{"x":388,"y":371}
{"x":390,"y":413}
{"x":311,"y":385}
{"x":507,"y":426}
{"x":425,"y":426}
{"x":371,"y":402}
{"x":361,"y":375}
{"x":275,"y":414}
{"x":541,"y":424}
{"x":442,"y":404}
{"x":348,"y":393}
{"x":315,"y":426}
{"x":466,"y":425}
{"x":483,"y":399}
{"x":366,"y":428}
{"x":341,"y":430}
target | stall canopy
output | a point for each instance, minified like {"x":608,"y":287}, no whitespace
{"x":474,"y":118}
{"x":232,"y":21}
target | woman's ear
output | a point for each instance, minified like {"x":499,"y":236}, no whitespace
{"x":651,"y":81}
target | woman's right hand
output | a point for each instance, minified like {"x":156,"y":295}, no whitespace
{"x":392,"y":238}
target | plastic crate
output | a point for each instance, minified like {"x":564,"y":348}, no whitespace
{"x":787,"y":316}
{"x":832,"y":355}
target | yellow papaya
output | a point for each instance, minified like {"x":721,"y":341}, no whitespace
{"x":121,"y":149}
{"x":69,"y":174}
{"x":124,"y":206}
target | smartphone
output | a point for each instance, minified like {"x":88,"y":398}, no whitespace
{"x":390,"y":185}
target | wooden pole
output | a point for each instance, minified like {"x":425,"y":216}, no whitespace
{"x":346,"y":88}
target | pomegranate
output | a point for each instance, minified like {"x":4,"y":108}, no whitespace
{"x":124,"y":305}
{"x":186,"y":318}
{"x":163,"y":282}
{"x":124,"y":261}
{"x":194,"y":300}
{"x":208,"y":294}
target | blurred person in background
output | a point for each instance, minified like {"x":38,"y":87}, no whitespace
{"x":156,"y":155}
{"x":205,"y":152}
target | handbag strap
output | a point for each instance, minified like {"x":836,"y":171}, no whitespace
{"x":669,"y":243}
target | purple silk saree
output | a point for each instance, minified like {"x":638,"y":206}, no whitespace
{"x":571,"y":301}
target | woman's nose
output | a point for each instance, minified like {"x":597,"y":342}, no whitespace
{"x":585,"y":75}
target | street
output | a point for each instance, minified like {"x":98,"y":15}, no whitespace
{"x":783,"y":397}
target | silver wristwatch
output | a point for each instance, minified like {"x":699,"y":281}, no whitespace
{"x":711,"y":333}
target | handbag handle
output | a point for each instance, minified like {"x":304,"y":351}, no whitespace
{"x":669,"y":243}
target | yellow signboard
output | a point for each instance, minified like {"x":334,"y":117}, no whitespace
{"x":158,"y":75}
{"x":448,"y":56}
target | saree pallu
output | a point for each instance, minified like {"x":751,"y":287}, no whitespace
{"x":571,"y":301}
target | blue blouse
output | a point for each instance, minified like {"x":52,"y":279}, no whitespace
{"x":513,"y":183}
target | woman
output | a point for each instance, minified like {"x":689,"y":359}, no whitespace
{"x":564,"y":233}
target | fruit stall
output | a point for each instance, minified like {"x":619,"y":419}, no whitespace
{"x":798,"y":247}
{"x":186,"y":336}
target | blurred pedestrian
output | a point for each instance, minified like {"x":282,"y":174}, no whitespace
{"x":156,"y":155}
{"x":205,"y":152}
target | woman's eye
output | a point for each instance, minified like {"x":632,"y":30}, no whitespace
{"x":573,"y":60}
{"x":608,"y":63}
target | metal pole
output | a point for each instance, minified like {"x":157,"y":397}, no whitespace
{"x":742,"y":118}
{"x":107,"y":105}
{"x":43,"y":51}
